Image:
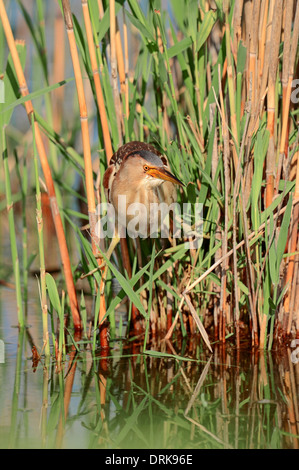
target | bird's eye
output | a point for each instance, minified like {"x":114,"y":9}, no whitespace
{"x":145,"y":168}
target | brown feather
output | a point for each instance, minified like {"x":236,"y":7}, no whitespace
{"x":131,"y":147}
{"x":122,"y":179}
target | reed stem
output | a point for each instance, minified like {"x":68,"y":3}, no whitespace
{"x":86,"y":149}
{"x":12,"y":232}
{"x":273,"y":65}
{"x":40,"y":231}
{"x":97,"y":81}
{"x":113,"y":62}
{"x":46,"y":170}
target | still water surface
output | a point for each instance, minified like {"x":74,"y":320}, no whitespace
{"x":229,"y":399}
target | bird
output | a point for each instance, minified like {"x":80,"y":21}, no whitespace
{"x":139,"y":174}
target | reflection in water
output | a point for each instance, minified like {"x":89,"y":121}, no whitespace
{"x":227,"y":399}
{"x":131,"y":400}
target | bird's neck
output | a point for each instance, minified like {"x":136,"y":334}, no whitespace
{"x":146,"y":195}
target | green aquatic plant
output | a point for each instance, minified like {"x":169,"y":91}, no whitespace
{"x":201,"y":81}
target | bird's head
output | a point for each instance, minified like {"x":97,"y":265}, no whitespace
{"x":147,"y":169}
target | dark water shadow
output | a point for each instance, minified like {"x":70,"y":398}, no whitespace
{"x":130,"y":400}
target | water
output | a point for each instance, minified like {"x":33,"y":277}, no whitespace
{"x":229,"y":399}
{"x":130,"y":400}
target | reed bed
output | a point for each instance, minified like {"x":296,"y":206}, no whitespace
{"x":213,"y":86}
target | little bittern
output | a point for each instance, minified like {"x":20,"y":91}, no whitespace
{"x":137,"y":173}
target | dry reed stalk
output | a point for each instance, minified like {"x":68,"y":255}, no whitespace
{"x":126,"y":49}
{"x":46,"y":170}
{"x":265,"y":70}
{"x":198,"y":322}
{"x":262,"y":35}
{"x":296,"y":301}
{"x":291,"y":260}
{"x":169,"y":300}
{"x":117,"y":59}
{"x":97,"y":81}
{"x":87,"y":156}
{"x":196,"y":133}
{"x":289,"y":69}
{"x":107,"y":141}
{"x":102,"y":300}
{"x":237,"y":18}
{"x":163,"y":118}
{"x":273,"y":66}
{"x":113,"y":63}
{"x":288,"y":74}
{"x":246,"y":25}
{"x":286,"y":94}
{"x":170,"y":330}
{"x":294,"y":290}
{"x":101,"y":9}
{"x":83,"y":119}
{"x":121,"y":66}
{"x":252,"y":67}
{"x":231,"y":85}
{"x":287,"y":34}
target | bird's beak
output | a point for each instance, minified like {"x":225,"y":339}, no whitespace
{"x":163,"y":174}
